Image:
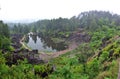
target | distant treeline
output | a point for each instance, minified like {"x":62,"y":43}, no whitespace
{"x":63,"y":27}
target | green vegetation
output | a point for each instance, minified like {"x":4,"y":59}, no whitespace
{"x":91,"y":60}
{"x":19,"y":28}
{"x":96,"y":59}
{"x":4,"y":36}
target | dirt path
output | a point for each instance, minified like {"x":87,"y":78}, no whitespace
{"x":23,"y":44}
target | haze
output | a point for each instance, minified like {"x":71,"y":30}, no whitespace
{"x":22,"y":10}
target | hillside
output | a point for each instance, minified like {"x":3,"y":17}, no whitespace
{"x":93,"y":52}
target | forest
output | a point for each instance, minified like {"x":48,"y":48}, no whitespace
{"x":96,"y":55}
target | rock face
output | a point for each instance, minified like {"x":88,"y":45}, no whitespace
{"x":20,"y":54}
{"x":79,"y":37}
{"x":16,"y":40}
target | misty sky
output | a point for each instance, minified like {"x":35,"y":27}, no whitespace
{"x":49,"y":9}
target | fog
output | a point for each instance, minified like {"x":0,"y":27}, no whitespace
{"x":30,"y":10}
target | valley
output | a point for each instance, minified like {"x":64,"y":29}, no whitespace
{"x":86,"y":46}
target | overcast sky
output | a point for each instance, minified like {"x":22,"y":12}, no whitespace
{"x":49,"y":9}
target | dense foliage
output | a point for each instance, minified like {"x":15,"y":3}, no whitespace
{"x":97,"y":59}
{"x":19,"y":28}
{"x":4,"y":36}
{"x":60,"y":27}
{"x":93,"y":20}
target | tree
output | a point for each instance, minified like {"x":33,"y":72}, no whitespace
{"x":4,"y":36}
